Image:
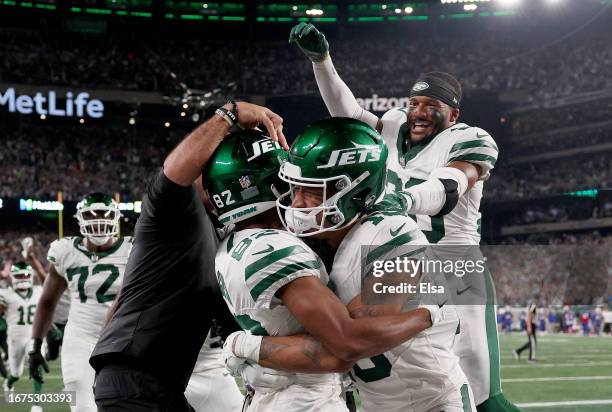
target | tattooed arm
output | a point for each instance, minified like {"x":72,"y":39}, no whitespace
{"x":299,"y":353}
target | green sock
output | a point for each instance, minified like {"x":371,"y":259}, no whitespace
{"x":11,"y":380}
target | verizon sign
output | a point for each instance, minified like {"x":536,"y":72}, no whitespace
{"x":377,"y":103}
{"x":74,"y":104}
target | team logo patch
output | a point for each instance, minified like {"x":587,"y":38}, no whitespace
{"x":419,"y":86}
{"x":245,"y":182}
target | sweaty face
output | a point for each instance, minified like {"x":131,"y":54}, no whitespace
{"x":426,"y":116}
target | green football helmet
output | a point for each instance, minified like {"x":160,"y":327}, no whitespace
{"x":21,"y":276}
{"x":241,"y":178}
{"x":344,"y":157}
{"x":98,"y":216}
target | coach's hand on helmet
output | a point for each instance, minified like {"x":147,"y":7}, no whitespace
{"x":310,"y":40}
{"x":36,"y":360}
{"x":250,"y":115}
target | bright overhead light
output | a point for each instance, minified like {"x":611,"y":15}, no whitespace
{"x":132,"y":121}
{"x":167,"y":124}
{"x":469,"y":7}
{"x":384,"y":7}
{"x":408,"y":10}
{"x":314,"y":12}
{"x":398,"y":11}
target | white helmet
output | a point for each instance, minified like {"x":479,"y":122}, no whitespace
{"x":98,"y":216}
{"x":21,"y":276}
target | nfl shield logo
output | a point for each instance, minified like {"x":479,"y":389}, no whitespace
{"x":245,"y":182}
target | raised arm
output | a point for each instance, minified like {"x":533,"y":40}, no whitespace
{"x":185,"y":163}
{"x":338,"y":98}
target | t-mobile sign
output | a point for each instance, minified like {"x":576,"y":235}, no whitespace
{"x":79,"y":106}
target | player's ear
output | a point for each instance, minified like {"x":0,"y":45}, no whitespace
{"x":454,"y":114}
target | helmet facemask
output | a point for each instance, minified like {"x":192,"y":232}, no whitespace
{"x":21,"y":276}
{"x":98,"y":222}
{"x":311,"y":221}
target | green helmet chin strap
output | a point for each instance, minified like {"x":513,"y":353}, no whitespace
{"x":346,"y":159}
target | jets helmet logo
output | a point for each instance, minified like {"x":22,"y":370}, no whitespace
{"x":361,"y":153}
{"x":263,"y":146}
{"x":245,"y":182}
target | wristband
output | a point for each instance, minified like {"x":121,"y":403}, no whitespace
{"x":227,"y":115}
{"x":35,"y":345}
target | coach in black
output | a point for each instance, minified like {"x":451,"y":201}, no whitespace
{"x":146,"y":354}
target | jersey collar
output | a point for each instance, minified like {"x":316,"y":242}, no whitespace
{"x":78,"y":244}
{"x":28,"y":294}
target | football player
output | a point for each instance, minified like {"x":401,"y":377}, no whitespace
{"x":19,"y":302}
{"x":211,"y":388}
{"x":336,"y":172}
{"x":440,"y":165}
{"x":91,"y":267}
{"x":274,"y":284}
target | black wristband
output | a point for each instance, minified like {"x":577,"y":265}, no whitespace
{"x":36,"y":344}
{"x":227,"y":115}
{"x":234,"y":108}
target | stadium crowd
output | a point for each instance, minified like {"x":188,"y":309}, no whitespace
{"x":577,"y":65}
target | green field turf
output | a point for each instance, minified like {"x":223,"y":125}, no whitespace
{"x":571,"y":369}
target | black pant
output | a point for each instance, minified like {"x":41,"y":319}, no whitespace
{"x":124,"y":389}
{"x":531,"y":344}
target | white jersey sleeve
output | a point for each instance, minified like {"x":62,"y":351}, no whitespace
{"x":377,"y":238}
{"x":58,"y":254}
{"x":276,"y":261}
{"x":474,"y":145}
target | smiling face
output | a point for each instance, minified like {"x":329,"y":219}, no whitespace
{"x":428,"y":116}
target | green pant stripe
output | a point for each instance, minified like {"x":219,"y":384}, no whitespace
{"x":492,"y":339}
{"x":465,"y":398}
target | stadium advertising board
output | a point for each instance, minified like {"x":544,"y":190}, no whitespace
{"x":72,"y":104}
{"x":379,"y":104}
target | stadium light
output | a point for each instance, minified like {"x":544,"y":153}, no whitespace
{"x":384,"y":7}
{"x":183,"y":114}
{"x":205,"y":5}
{"x":469,"y":7}
{"x":82,"y":121}
{"x":43,"y":117}
{"x":314,"y":12}
{"x":294,"y":8}
{"x":408,"y":10}
{"x":167,"y":124}
{"x":132,"y":121}
{"x":398,"y":11}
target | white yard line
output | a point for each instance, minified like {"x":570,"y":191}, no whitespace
{"x":556,"y":365}
{"x":559,"y":378}
{"x":565,"y":403}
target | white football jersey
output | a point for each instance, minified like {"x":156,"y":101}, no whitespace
{"x":93,"y":279}
{"x":422,"y":372}
{"x":251,"y":265}
{"x":19,"y":310}
{"x":408,"y":168}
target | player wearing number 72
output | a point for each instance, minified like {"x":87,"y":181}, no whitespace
{"x":91,"y":266}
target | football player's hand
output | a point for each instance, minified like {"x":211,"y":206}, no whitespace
{"x":241,"y":345}
{"x":265,"y":379}
{"x":251,"y":115}
{"x":36,"y":360}
{"x":310,"y":40}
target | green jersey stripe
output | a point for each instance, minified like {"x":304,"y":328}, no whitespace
{"x":250,"y":325}
{"x":476,"y":158}
{"x":400,"y":240}
{"x":474,"y":143}
{"x":269,"y":280}
{"x":271,"y":258}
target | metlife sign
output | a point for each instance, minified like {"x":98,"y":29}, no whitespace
{"x":48,"y":104}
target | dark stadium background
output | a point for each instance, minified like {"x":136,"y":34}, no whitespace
{"x":537,"y":74}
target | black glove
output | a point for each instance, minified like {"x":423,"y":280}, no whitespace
{"x":36,"y":360}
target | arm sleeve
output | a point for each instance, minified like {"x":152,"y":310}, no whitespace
{"x":165,"y":197}
{"x":338,"y":98}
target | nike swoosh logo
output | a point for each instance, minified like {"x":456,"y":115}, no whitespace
{"x":460,"y":291}
{"x":395,"y":232}
{"x":267,"y":250}
{"x":481,"y":135}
